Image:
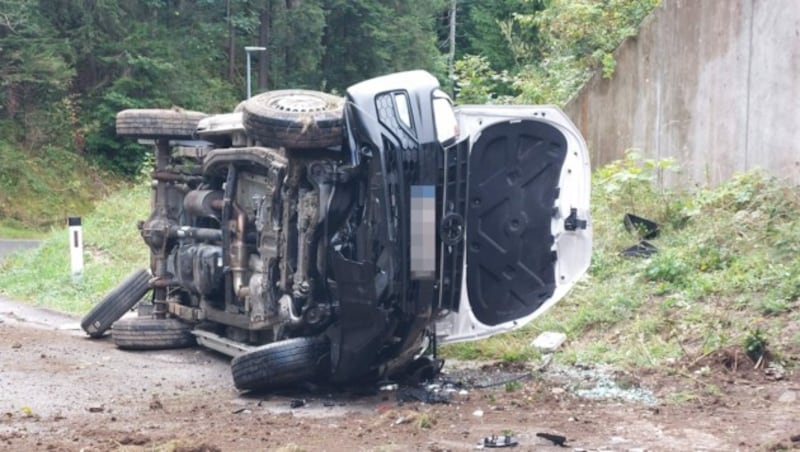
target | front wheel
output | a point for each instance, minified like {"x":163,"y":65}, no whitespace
{"x":281,"y":363}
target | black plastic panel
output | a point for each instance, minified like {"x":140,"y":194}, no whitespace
{"x":452,"y":189}
{"x":513,"y":186}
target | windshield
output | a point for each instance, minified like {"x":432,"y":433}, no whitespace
{"x":444,"y":117}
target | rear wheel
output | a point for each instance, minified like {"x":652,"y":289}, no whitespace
{"x":281,"y":363}
{"x":152,"y":334}
{"x":116,"y":303}
{"x":154,"y":123}
{"x":294,"y":119}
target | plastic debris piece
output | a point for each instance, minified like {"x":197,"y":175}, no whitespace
{"x":558,"y":440}
{"x":642,"y":249}
{"x":646,"y":229}
{"x":549,"y":341}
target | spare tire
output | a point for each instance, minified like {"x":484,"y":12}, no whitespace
{"x":141,"y":333}
{"x":294,"y":119}
{"x":154,"y":123}
{"x":116,"y":303}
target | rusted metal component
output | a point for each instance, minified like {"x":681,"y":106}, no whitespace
{"x":290,"y":194}
{"x":203,"y":203}
{"x":307,"y":221}
{"x":160,"y":282}
{"x":185,"y":312}
{"x":238,"y":251}
{"x":156,"y":230}
{"x":169,"y":176}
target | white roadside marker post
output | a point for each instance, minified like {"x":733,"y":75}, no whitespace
{"x":75,"y":248}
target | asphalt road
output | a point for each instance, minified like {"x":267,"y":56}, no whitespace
{"x":8,"y":246}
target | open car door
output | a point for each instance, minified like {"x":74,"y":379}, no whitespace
{"x":527,"y":235}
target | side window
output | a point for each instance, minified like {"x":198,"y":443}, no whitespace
{"x":401,"y":103}
{"x":444,"y":117}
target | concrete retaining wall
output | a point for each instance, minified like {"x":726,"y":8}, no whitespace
{"x":714,"y":84}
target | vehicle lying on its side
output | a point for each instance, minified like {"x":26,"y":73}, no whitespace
{"x":313,"y":237}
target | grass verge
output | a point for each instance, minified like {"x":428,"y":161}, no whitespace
{"x":112,"y":249}
{"x":40,"y":187}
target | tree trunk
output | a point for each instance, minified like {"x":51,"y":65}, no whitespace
{"x":264,"y":40}
{"x":12,"y":100}
{"x":451,"y":54}
{"x":289,"y":58}
{"x":231,"y":45}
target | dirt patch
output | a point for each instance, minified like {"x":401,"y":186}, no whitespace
{"x":61,"y":391}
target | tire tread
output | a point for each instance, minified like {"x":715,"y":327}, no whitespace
{"x":116,"y":303}
{"x":152,"y":334}
{"x":280,"y":363}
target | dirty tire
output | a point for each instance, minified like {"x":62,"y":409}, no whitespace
{"x":281,"y":363}
{"x":154,"y":123}
{"x":116,"y":303}
{"x":294,"y":119}
{"x":152,"y":334}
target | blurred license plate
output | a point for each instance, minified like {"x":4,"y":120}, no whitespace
{"x":423,"y":231}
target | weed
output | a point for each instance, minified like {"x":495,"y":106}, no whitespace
{"x":682,"y":397}
{"x":425,"y":420}
{"x":755,"y":344}
{"x":668,"y":267}
{"x":513,"y":386}
{"x":774,"y":306}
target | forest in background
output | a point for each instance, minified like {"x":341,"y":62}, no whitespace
{"x":68,"y":66}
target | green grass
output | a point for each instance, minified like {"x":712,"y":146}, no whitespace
{"x":112,"y":249}
{"x":11,"y":232}
{"x":40,"y":187}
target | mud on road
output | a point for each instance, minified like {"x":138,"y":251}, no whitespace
{"x":62,"y":391}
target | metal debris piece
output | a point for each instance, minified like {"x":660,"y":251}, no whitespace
{"x":496,"y":441}
{"x":558,"y":440}
{"x":421,"y":395}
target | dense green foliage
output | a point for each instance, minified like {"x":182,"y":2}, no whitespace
{"x":68,"y":66}
{"x":551,"y":47}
